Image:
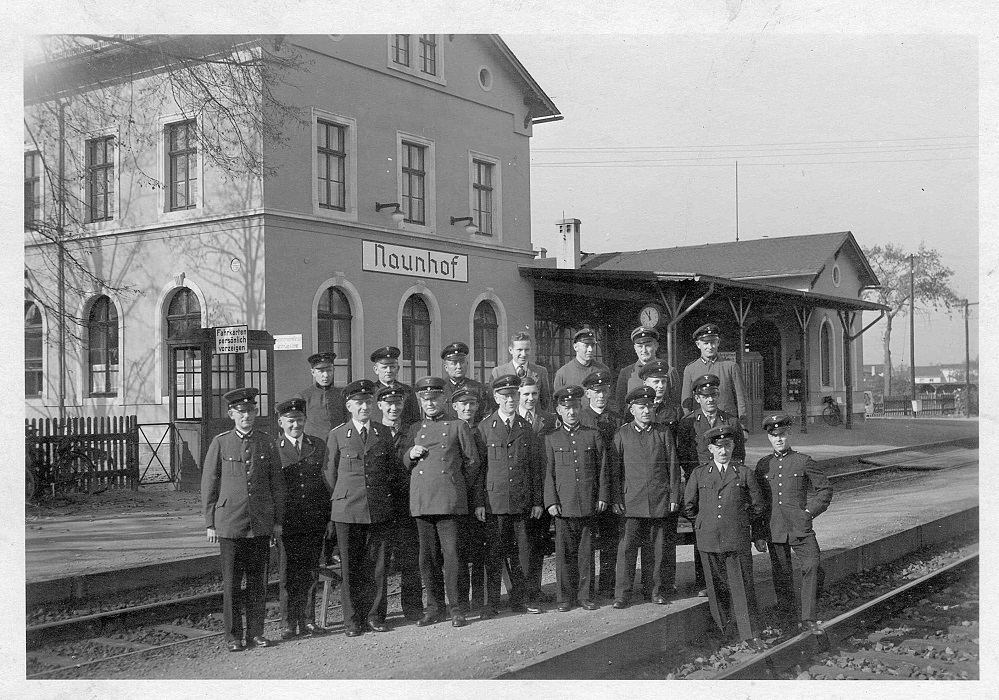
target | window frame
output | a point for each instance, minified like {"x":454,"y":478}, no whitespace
{"x":481,"y":367}
{"x":165,"y":122}
{"x":88,"y":172}
{"x":107,"y":328}
{"x":37,"y":363}
{"x":408,"y":365}
{"x":395,"y":48}
{"x":475,"y":157}
{"x":39,"y":176}
{"x":826,"y":356}
{"x":189,"y":294}
{"x":430,"y":189}
{"x":349,"y":213}
{"x":343,"y":368}
{"x":415,"y":48}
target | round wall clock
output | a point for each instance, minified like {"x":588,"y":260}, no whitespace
{"x":650,"y":316}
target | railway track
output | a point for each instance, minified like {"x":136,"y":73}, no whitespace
{"x":926,"y":629}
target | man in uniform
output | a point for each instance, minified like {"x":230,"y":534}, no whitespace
{"x":539,"y":531}
{"x":645,"y":489}
{"x":324,"y":407}
{"x":656,"y":374}
{"x":514,"y":492}
{"x":600,"y":416}
{"x":443,"y":459}
{"x":360,"y":476}
{"x":385,"y":365}
{"x":646,"y":342}
{"x":584,"y":343}
{"x":455,"y":357}
{"x":404,"y":541}
{"x":731,"y":389}
{"x":520,"y":365}
{"x":724,"y":501}
{"x":242,"y":497}
{"x":306,"y":514}
{"x":576,"y":490}
{"x":471,"y":532}
{"x":693,"y":451}
{"x":796,"y":492}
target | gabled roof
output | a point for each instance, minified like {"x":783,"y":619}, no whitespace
{"x":542,"y":109}
{"x":757,"y":259}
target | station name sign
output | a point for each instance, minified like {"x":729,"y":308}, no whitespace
{"x":230,"y":340}
{"x":413,"y":262}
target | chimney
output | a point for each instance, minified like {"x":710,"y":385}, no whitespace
{"x":568,"y":252}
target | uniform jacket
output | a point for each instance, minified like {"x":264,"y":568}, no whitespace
{"x":575,"y":471}
{"x":544,"y":423}
{"x":731,"y":389}
{"x":439,"y":481}
{"x":605,"y":423}
{"x":485,"y":398}
{"x":410,"y":411}
{"x":725,"y":509}
{"x":791,"y":483}
{"x":667,"y":415}
{"x":324,"y":409}
{"x":514,"y":469}
{"x":536,"y":371}
{"x":361,"y":474}
{"x":691,"y":451}
{"x":645,"y":474}
{"x":573,"y":372}
{"x":242,"y":487}
{"x":307,"y":495}
{"x":628,"y":379}
{"x":400,"y":481}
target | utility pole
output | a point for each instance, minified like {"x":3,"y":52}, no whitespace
{"x":967,"y":362}
{"x":61,"y":243}
{"x":912,"y":329}
{"x":736,"y":201}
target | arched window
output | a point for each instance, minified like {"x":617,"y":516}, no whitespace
{"x":415,"y":340}
{"x":334,"y":323}
{"x":825,"y":354}
{"x":485,"y":341}
{"x":184,"y":313}
{"x":32,"y":349}
{"x":102,"y":348}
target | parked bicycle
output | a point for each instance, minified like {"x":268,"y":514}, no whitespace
{"x":76,"y":468}
{"x":831,"y":414}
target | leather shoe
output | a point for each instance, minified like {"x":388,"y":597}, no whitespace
{"x":589,"y":605}
{"x":236,"y":646}
{"x":259,"y":642}
{"x":352,"y":630}
{"x":564,"y":607}
{"x":458,"y":620}
{"x":620,"y":603}
{"x":488,"y":613}
{"x":659,"y":600}
{"x":377,"y":626}
{"x":427,"y":619}
{"x":287,"y":633}
{"x":314,"y":630}
{"x":534,"y":608}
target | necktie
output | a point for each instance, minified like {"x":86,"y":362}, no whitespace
{"x":509,"y":425}
{"x":529,"y":417}
{"x":521,"y":371}
{"x":364,"y":435}
{"x":298,"y":446}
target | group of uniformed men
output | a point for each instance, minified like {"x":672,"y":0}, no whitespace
{"x":455,"y":482}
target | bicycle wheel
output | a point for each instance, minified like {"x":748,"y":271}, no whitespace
{"x":73,"y":473}
{"x":30,"y":483}
{"x":830,"y":414}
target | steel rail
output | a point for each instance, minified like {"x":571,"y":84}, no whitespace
{"x":767,"y":664}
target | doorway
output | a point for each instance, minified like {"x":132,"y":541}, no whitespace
{"x":764,"y":337}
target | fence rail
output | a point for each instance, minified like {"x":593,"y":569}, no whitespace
{"x":926,"y":406}
{"x":111,"y":443}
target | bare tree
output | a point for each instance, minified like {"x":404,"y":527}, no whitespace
{"x":931,"y":284}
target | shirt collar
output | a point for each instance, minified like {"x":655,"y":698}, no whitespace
{"x":785,"y":453}
{"x":572,"y":430}
{"x":358,"y":426}
{"x":243,"y":436}
{"x":709,"y":362}
{"x":639,"y":429}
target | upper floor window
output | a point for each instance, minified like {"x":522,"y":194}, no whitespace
{"x":486,"y":341}
{"x":400,"y":49}
{"x":100,"y":179}
{"x":33,"y":385}
{"x":182,"y":159}
{"x":414,"y":183}
{"x":482,"y":196}
{"x":331,"y":155}
{"x":428,"y":53}
{"x":32,"y":189}
{"x":334,"y":321}
{"x":825,"y":355}
{"x":102,"y":348}
{"x":183,"y":314}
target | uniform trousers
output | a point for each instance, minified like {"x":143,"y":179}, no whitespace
{"x":362,"y":568}
{"x":439,"y":562}
{"x":807,"y":550}
{"x":608,"y":528}
{"x":404,"y":552}
{"x":472,"y":563}
{"x":509,"y":544}
{"x":657,"y":539}
{"x":573,"y":570}
{"x":731,"y":595}
{"x":298,"y":561}
{"x":243,"y":556}
{"x":539,"y":531}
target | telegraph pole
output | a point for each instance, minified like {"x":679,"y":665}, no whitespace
{"x":736,"y":201}
{"x":912,"y":330}
{"x":967,"y":362}
{"x":60,"y":244}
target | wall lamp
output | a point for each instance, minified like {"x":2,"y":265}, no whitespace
{"x":397,"y":215}
{"x":469,"y":228}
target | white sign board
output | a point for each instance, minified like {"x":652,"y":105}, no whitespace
{"x":230,"y":340}
{"x":288,"y":342}
{"x":413,"y":262}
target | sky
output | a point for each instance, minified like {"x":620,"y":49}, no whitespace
{"x":874,"y":134}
